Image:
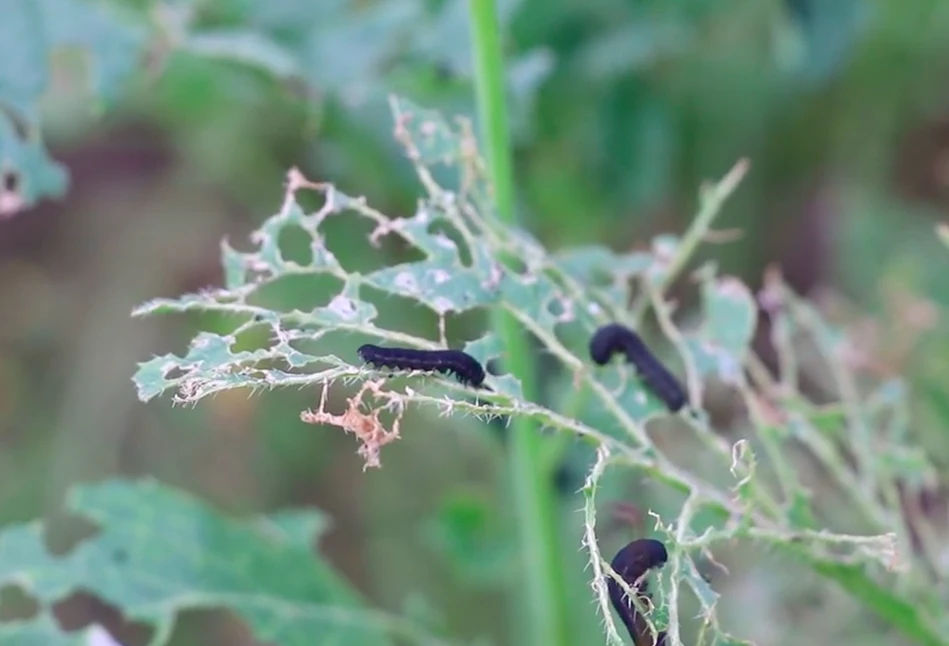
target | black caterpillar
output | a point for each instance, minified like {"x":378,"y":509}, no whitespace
{"x":632,"y":562}
{"x":613,"y":338}
{"x":464,"y":367}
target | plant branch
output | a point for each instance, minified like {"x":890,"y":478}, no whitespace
{"x":711,"y":199}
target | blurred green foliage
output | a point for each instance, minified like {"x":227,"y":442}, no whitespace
{"x":620,"y":110}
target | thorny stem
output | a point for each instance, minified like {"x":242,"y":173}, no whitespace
{"x":683,"y":522}
{"x":590,"y":542}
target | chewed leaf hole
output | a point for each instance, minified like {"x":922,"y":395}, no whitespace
{"x":401,"y":313}
{"x":11,"y":181}
{"x":297,"y":291}
{"x":80,"y":610}
{"x":64,"y":532}
{"x":495,"y":367}
{"x":358,"y":251}
{"x":174,"y":373}
{"x":295,"y":243}
{"x":16,"y":604}
{"x":561,"y":309}
{"x":255,"y":338}
{"x":11,"y":200}
{"x":449,"y":238}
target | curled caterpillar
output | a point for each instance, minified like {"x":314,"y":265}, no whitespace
{"x":607,"y":341}
{"x":613,"y":338}
{"x":631,"y":563}
{"x":464,"y":367}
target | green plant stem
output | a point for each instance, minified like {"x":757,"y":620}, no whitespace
{"x":534,"y":503}
{"x":711,"y":200}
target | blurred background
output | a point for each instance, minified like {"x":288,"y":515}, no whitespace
{"x":620,"y":109}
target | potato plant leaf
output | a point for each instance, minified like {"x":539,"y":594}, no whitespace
{"x":159,"y":551}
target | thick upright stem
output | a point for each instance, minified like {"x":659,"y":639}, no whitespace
{"x":541,"y":597}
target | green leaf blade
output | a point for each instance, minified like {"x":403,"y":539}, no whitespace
{"x":160,"y":552}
